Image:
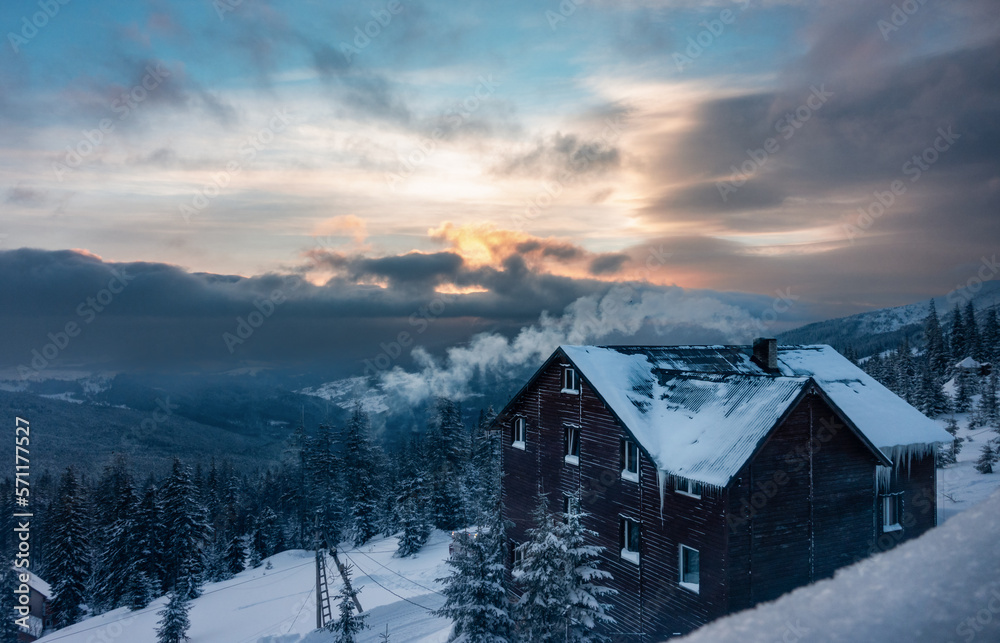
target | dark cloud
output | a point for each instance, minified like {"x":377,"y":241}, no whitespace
{"x":607,"y":264}
{"x":562,"y":154}
{"x":22,"y":195}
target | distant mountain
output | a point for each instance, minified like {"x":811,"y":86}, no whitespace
{"x":880,"y":330}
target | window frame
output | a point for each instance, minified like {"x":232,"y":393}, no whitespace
{"x":684,"y":486}
{"x":575,"y":388}
{"x":515,"y":555}
{"x":519,"y":428}
{"x":627,"y":529}
{"x":571,"y":504}
{"x":694,"y":587}
{"x":571,"y":442}
{"x":628,"y":474}
{"x":891,"y":503}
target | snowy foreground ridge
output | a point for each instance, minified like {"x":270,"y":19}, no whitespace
{"x":943,"y":587}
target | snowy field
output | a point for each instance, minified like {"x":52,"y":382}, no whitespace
{"x":278,"y":605}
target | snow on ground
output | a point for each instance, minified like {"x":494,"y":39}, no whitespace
{"x":960,"y":486}
{"x":941,"y":587}
{"x":344,"y":393}
{"x":278,"y":605}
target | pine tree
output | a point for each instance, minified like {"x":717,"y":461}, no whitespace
{"x":447,"y":449}
{"x":8,"y":628}
{"x":905,"y":375}
{"x":361,"y":469}
{"x":348,"y":625}
{"x":326,"y":477}
{"x":959,"y":339}
{"x":476,"y":593}
{"x":988,"y":412}
{"x":186,"y":531}
{"x":972,"y":332}
{"x":235,"y":555}
{"x":963,"y":392}
{"x":174,"y":622}
{"x":936,"y":352}
{"x":541,"y":577}
{"x":932,"y":399}
{"x":585,"y":609}
{"x":991,"y":336}
{"x":122,"y":580}
{"x":70,"y":566}
{"x":986,"y":459}
{"x":413,"y":502}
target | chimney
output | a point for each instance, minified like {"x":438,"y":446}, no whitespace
{"x":765,"y":353}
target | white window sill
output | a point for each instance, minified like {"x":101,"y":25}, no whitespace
{"x":628,"y":475}
{"x":631,"y":556}
{"x":571,"y":391}
{"x":896,"y":527}
{"x":689,"y":495}
{"x":572,"y":459}
{"x":693,"y":587}
{"x":519,"y":444}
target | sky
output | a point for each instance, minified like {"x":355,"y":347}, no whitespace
{"x":740,"y":163}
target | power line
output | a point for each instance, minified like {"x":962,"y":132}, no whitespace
{"x":398,"y":574}
{"x":386,"y":588}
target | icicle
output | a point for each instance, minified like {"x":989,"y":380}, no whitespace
{"x":661,"y":477}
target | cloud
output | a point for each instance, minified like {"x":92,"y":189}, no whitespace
{"x":562,"y":154}
{"x":22,"y":195}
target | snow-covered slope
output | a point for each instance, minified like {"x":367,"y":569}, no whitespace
{"x":941,"y":587}
{"x":278,"y":605}
{"x":344,"y":392}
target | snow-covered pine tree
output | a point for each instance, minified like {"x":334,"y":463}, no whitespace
{"x":987,"y":458}
{"x":447,"y":448}
{"x":416,"y":528}
{"x":585,"y":611}
{"x":476,"y":593}
{"x":120,"y":577}
{"x":236,"y":555}
{"x":186,"y":531}
{"x":959,"y":341}
{"x":988,"y":413}
{"x":949,"y":454}
{"x":991,"y":336}
{"x":8,"y":628}
{"x":936,"y":352}
{"x":361,"y":470}
{"x":174,"y":622}
{"x":963,"y":392}
{"x":70,"y":566}
{"x":932,"y":400}
{"x":348,"y":624}
{"x":905,"y":375}
{"x":972,"y":332}
{"x":149,"y":534}
{"x":541,"y":577}
{"x":325,"y":475}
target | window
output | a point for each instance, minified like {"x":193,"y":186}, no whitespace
{"x":689,"y":565}
{"x":688,"y":487}
{"x":517,"y":555}
{"x":571,"y":383}
{"x":518,"y":433}
{"x":572,"y":444}
{"x":630,"y":540}
{"x":890,"y":512}
{"x":630,"y":461}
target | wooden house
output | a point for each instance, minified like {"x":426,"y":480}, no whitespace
{"x":717,"y":477}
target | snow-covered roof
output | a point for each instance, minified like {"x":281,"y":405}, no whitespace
{"x":35,"y":582}
{"x":701,"y":411}
{"x":968,"y":362}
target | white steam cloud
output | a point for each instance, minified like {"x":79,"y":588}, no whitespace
{"x":623,"y":310}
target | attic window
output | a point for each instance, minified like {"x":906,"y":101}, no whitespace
{"x":572,"y":444}
{"x":630,"y":461}
{"x":688,"y":487}
{"x":891,"y":505}
{"x":571,"y":382}
{"x":518,"y":433}
{"x":629,"y":536}
{"x":690,"y":564}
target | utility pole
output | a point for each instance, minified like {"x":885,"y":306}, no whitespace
{"x":324,"y":613}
